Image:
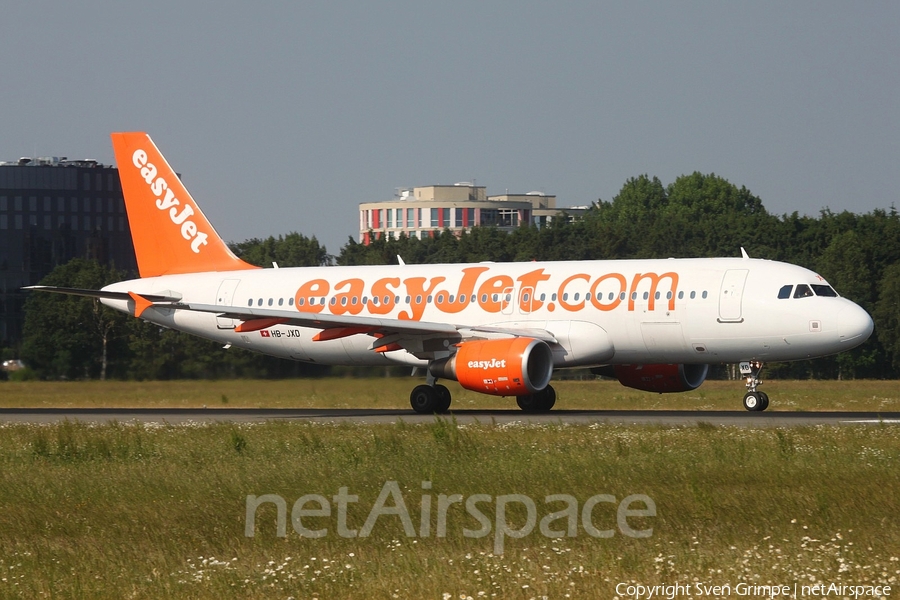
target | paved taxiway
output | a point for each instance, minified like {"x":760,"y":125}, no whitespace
{"x":176,"y":416}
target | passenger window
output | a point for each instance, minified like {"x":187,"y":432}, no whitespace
{"x":785,"y":292}
{"x":281,"y":302}
{"x":290,"y":301}
{"x":250,"y":302}
{"x":704,"y":294}
{"x":300,"y":301}
{"x":693,"y":295}
{"x":646,"y":295}
{"x":259,"y":302}
{"x":803,"y":291}
{"x":824,"y":290}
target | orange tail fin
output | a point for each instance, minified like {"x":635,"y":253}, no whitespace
{"x":170,"y":233}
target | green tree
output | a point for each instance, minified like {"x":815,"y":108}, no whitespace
{"x":73,"y":336}
{"x":291,"y":250}
{"x":887,"y":314}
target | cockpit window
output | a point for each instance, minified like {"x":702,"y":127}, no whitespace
{"x":824,"y":290}
{"x":785,"y":292}
{"x":803,"y":291}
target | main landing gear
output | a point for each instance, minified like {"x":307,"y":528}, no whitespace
{"x":754,"y":400}
{"x":537,"y":402}
{"x":430,"y":399}
{"x":434,"y":398}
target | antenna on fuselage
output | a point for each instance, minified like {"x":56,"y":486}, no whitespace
{"x":400,"y":261}
{"x":744,"y":254}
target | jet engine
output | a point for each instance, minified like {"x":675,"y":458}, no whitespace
{"x":505,"y":367}
{"x":657,"y":378}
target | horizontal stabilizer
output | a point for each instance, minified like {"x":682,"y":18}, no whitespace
{"x":101,"y":293}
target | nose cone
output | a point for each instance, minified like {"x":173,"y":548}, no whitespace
{"x":854,"y":325}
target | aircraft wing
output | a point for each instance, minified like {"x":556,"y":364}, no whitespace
{"x":421,"y":338}
{"x":390,"y":334}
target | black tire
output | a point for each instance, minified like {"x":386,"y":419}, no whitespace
{"x":444,"y":398}
{"x":752,"y":401}
{"x":764,"y":397}
{"x":424,"y":400}
{"x":538,"y":402}
{"x":546,"y":398}
{"x":527,"y":403}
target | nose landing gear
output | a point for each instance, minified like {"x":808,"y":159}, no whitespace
{"x":754,"y":400}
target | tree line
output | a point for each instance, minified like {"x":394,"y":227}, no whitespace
{"x":698,"y":215}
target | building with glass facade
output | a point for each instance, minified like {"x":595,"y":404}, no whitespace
{"x":51,"y":211}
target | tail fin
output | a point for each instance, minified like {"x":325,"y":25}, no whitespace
{"x":170,"y":233}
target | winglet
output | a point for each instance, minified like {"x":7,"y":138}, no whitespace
{"x":170,"y":233}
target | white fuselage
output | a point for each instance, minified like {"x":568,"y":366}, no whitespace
{"x":716,"y":310}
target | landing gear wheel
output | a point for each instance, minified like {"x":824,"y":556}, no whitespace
{"x":424,"y":399}
{"x":444,"y":398}
{"x":546,"y":399}
{"x":753,"y":401}
{"x":541,"y":401}
{"x":527,"y":403}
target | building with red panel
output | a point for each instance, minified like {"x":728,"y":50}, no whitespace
{"x":426,"y":211}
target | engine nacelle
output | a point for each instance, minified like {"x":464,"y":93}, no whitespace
{"x":660,"y":378}
{"x":506,"y":367}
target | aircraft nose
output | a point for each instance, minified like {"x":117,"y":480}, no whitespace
{"x":854,"y":325}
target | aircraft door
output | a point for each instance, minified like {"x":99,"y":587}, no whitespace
{"x":225,"y":297}
{"x":731,"y":294}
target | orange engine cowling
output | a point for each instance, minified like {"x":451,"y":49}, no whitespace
{"x":507,"y":367}
{"x":661,"y":378}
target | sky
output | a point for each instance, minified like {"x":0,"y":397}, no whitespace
{"x":284,"y":116}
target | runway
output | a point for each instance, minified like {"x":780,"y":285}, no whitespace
{"x":175,"y":416}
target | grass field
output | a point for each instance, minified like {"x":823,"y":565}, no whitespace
{"x":394,"y":392}
{"x":156,"y":511}
{"x":137,"y":511}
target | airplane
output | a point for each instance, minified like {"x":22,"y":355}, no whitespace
{"x":500,"y":329}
